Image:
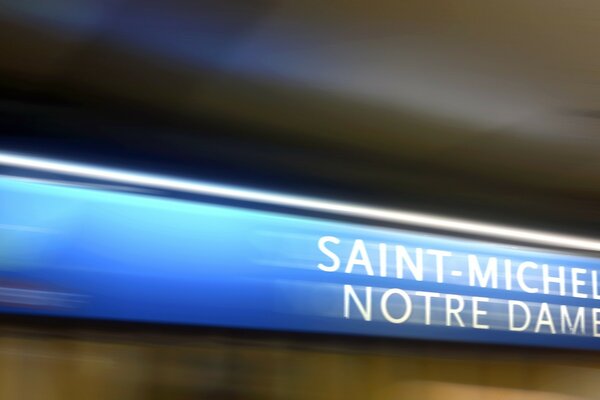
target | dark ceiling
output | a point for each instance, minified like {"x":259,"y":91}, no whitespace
{"x":488,"y":110}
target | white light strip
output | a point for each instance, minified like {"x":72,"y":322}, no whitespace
{"x":305,"y":203}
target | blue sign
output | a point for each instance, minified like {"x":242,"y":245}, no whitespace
{"x":74,"y":251}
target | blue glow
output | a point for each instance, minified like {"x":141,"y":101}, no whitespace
{"x":81,"y":252}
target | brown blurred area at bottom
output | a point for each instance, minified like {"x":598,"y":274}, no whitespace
{"x":39,"y":363}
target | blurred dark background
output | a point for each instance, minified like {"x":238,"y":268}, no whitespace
{"x":488,"y":110}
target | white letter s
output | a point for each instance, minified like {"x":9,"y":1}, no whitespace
{"x":336,"y":260}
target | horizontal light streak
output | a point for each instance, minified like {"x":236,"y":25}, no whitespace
{"x":304,"y":203}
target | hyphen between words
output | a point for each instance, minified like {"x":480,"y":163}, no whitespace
{"x":436,"y":266}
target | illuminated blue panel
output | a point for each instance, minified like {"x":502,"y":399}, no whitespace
{"x":79,"y":252}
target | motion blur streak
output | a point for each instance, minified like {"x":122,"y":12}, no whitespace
{"x":306,"y":203}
